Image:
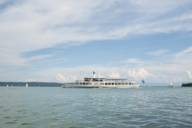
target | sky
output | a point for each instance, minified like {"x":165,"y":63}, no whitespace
{"x":65,"y":40}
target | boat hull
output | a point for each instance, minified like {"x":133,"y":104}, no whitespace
{"x":73,"y":85}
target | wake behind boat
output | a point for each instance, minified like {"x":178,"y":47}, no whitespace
{"x":93,"y":82}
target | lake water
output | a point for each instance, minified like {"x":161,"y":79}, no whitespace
{"x":54,"y":107}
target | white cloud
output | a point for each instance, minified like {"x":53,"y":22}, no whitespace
{"x":139,"y":74}
{"x":32,"y":24}
{"x":185,"y":53}
{"x":2,"y":1}
{"x":173,"y":70}
{"x":60,"y":77}
{"x":72,"y":74}
{"x":151,"y":6}
{"x":39,"y":24}
{"x":115,"y":75}
{"x":11,"y":57}
{"x":158,"y":52}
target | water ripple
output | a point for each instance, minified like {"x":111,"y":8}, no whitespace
{"x":96,"y":108}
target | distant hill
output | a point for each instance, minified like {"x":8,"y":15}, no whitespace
{"x":31,"y":84}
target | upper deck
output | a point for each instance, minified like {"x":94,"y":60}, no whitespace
{"x":89,"y":79}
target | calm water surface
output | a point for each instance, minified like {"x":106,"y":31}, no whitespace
{"x":149,"y":107}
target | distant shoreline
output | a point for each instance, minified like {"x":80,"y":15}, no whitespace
{"x":30,"y":84}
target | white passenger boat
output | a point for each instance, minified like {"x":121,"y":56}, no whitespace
{"x":93,"y":82}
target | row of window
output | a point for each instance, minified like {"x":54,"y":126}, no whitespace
{"x":82,"y":83}
{"x":116,"y":83}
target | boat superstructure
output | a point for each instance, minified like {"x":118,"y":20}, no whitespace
{"x":93,"y":82}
